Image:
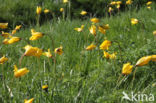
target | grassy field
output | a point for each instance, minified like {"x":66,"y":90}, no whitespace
{"x":78,"y":75}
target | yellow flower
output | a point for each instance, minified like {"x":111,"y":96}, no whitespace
{"x":13,"y":31}
{"x":102,"y":30}
{"x":105,"y":45}
{"x":3,"y":25}
{"x":3,"y":60}
{"x":134,"y":21}
{"x":127,"y":68}
{"x":118,"y":6}
{"x":20,"y":72}
{"x":28,"y":101}
{"x":148,"y":7}
{"x":65,"y":1}
{"x":5,"y":34}
{"x":143,"y":61}
{"x":106,"y":54}
{"x":11,"y":40}
{"x":149,"y":3}
{"x":5,"y":41}
{"x":38,"y":10}
{"x":153,"y":58}
{"x":91,"y":47}
{"x":59,"y":50}
{"x":118,"y":3}
{"x":79,"y":29}
{"x":95,"y":20}
{"x":61,"y":9}
{"x":35,"y":35}
{"x":46,"y":11}
{"x":129,"y":2}
{"x":92,"y":30}
{"x":18,"y":27}
{"x":154,"y":32}
{"x":113,"y":3}
{"x":47,"y":54}
{"x":32,"y":51}
{"x":44,"y":86}
{"x":113,"y":56}
{"x":83,"y":12}
{"x":110,"y":9}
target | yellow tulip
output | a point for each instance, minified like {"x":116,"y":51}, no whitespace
{"x":154,"y":32}
{"x":134,"y":21}
{"x":106,"y":54}
{"x":61,"y":9}
{"x":129,"y":2}
{"x":118,"y":6}
{"x":28,"y":101}
{"x":44,"y":86}
{"x":47,"y":54}
{"x":118,"y":2}
{"x":32,"y":51}
{"x":143,"y":61}
{"x":127,"y":69}
{"x":105,"y":45}
{"x":148,"y":7}
{"x":95,"y":20}
{"x":35,"y":35}
{"x":59,"y":50}
{"x":110,"y":9}
{"x":46,"y":11}
{"x":113,"y":3}
{"x":113,"y":56}
{"x":20,"y":72}
{"x":18,"y":27}
{"x":3,"y":25}
{"x":79,"y":29}
{"x":102,"y":30}
{"x":14,"y":40}
{"x":153,"y":58}
{"x":13,"y":31}
{"x":3,"y":59}
{"x":65,"y":1}
{"x":149,"y":3}
{"x":92,"y":30}
{"x":5,"y":34}
{"x":91,"y":47}
{"x":83,"y":12}
{"x":38,"y":10}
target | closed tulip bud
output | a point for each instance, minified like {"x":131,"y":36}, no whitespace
{"x":38,"y":10}
{"x":143,"y":61}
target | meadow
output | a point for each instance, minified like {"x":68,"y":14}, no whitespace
{"x":72,"y":72}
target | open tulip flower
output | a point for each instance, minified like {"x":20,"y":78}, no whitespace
{"x":3,"y":25}
{"x":129,"y":2}
{"x":3,"y":59}
{"x":127,"y":69}
{"x":20,"y":72}
{"x":28,"y":101}
{"x":95,"y":20}
{"x":35,"y":35}
{"x":143,"y":61}
{"x":91,"y":47}
{"x":59,"y":50}
{"x":92,"y":30}
{"x":11,"y":40}
{"x":105,"y":45}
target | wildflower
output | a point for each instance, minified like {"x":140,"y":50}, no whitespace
{"x":105,"y":45}
{"x":134,"y":21}
{"x":92,"y":30}
{"x":83,"y":12}
{"x":3,"y":59}
{"x":113,"y":56}
{"x":46,"y":11}
{"x":3,"y":25}
{"x":143,"y":61}
{"x":20,"y":72}
{"x":35,"y":35}
{"x":59,"y":50}
{"x":13,"y":31}
{"x":127,"y":68}
{"x":38,"y":10}
{"x":91,"y":47}
{"x":79,"y":29}
{"x":95,"y":20}
{"x":106,"y":26}
{"x":110,"y":9}
{"x":18,"y":27}
{"x":65,"y":1}
{"x":5,"y":34}
{"x":61,"y":9}
{"x":129,"y":2}
{"x":118,"y":6}
{"x":44,"y":86}
{"x":47,"y":54}
{"x":153,"y":58}
{"x":113,"y":3}
{"x":28,"y":101}
{"x":154,"y":32}
{"x":148,"y":7}
{"x":154,"y":85}
{"x":106,"y":54}
{"x":118,"y":3}
{"x":149,"y":3}
{"x":102,"y":30}
{"x":11,"y":40}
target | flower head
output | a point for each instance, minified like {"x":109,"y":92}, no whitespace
{"x":102,"y":30}
{"x":11,"y":40}
{"x":143,"y":61}
{"x":18,"y":27}
{"x":59,"y":50}
{"x":28,"y":101}
{"x":3,"y":59}
{"x":20,"y":72}
{"x":61,"y":9}
{"x":91,"y":47}
{"x":129,"y":2}
{"x":92,"y":30}
{"x":95,"y":20}
{"x":35,"y":35}
{"x":127,"y":68}
{"x":3,"y":25}
{"x":110,"y":9}
{"x":5,"y":34}
{"x":46,"y":11}
{"x":105,"y":45}
{"x":149,"y":3}
{"x":65,"y":1}
{"x":38,"y":10}
{"x":83,"y":12}
{"x":79,"y":29}
{"x":134,"y":21}
{"x":44,"y":86}
{"x":47,"y":54}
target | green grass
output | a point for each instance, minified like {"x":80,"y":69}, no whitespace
{"x":82,"y":76}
